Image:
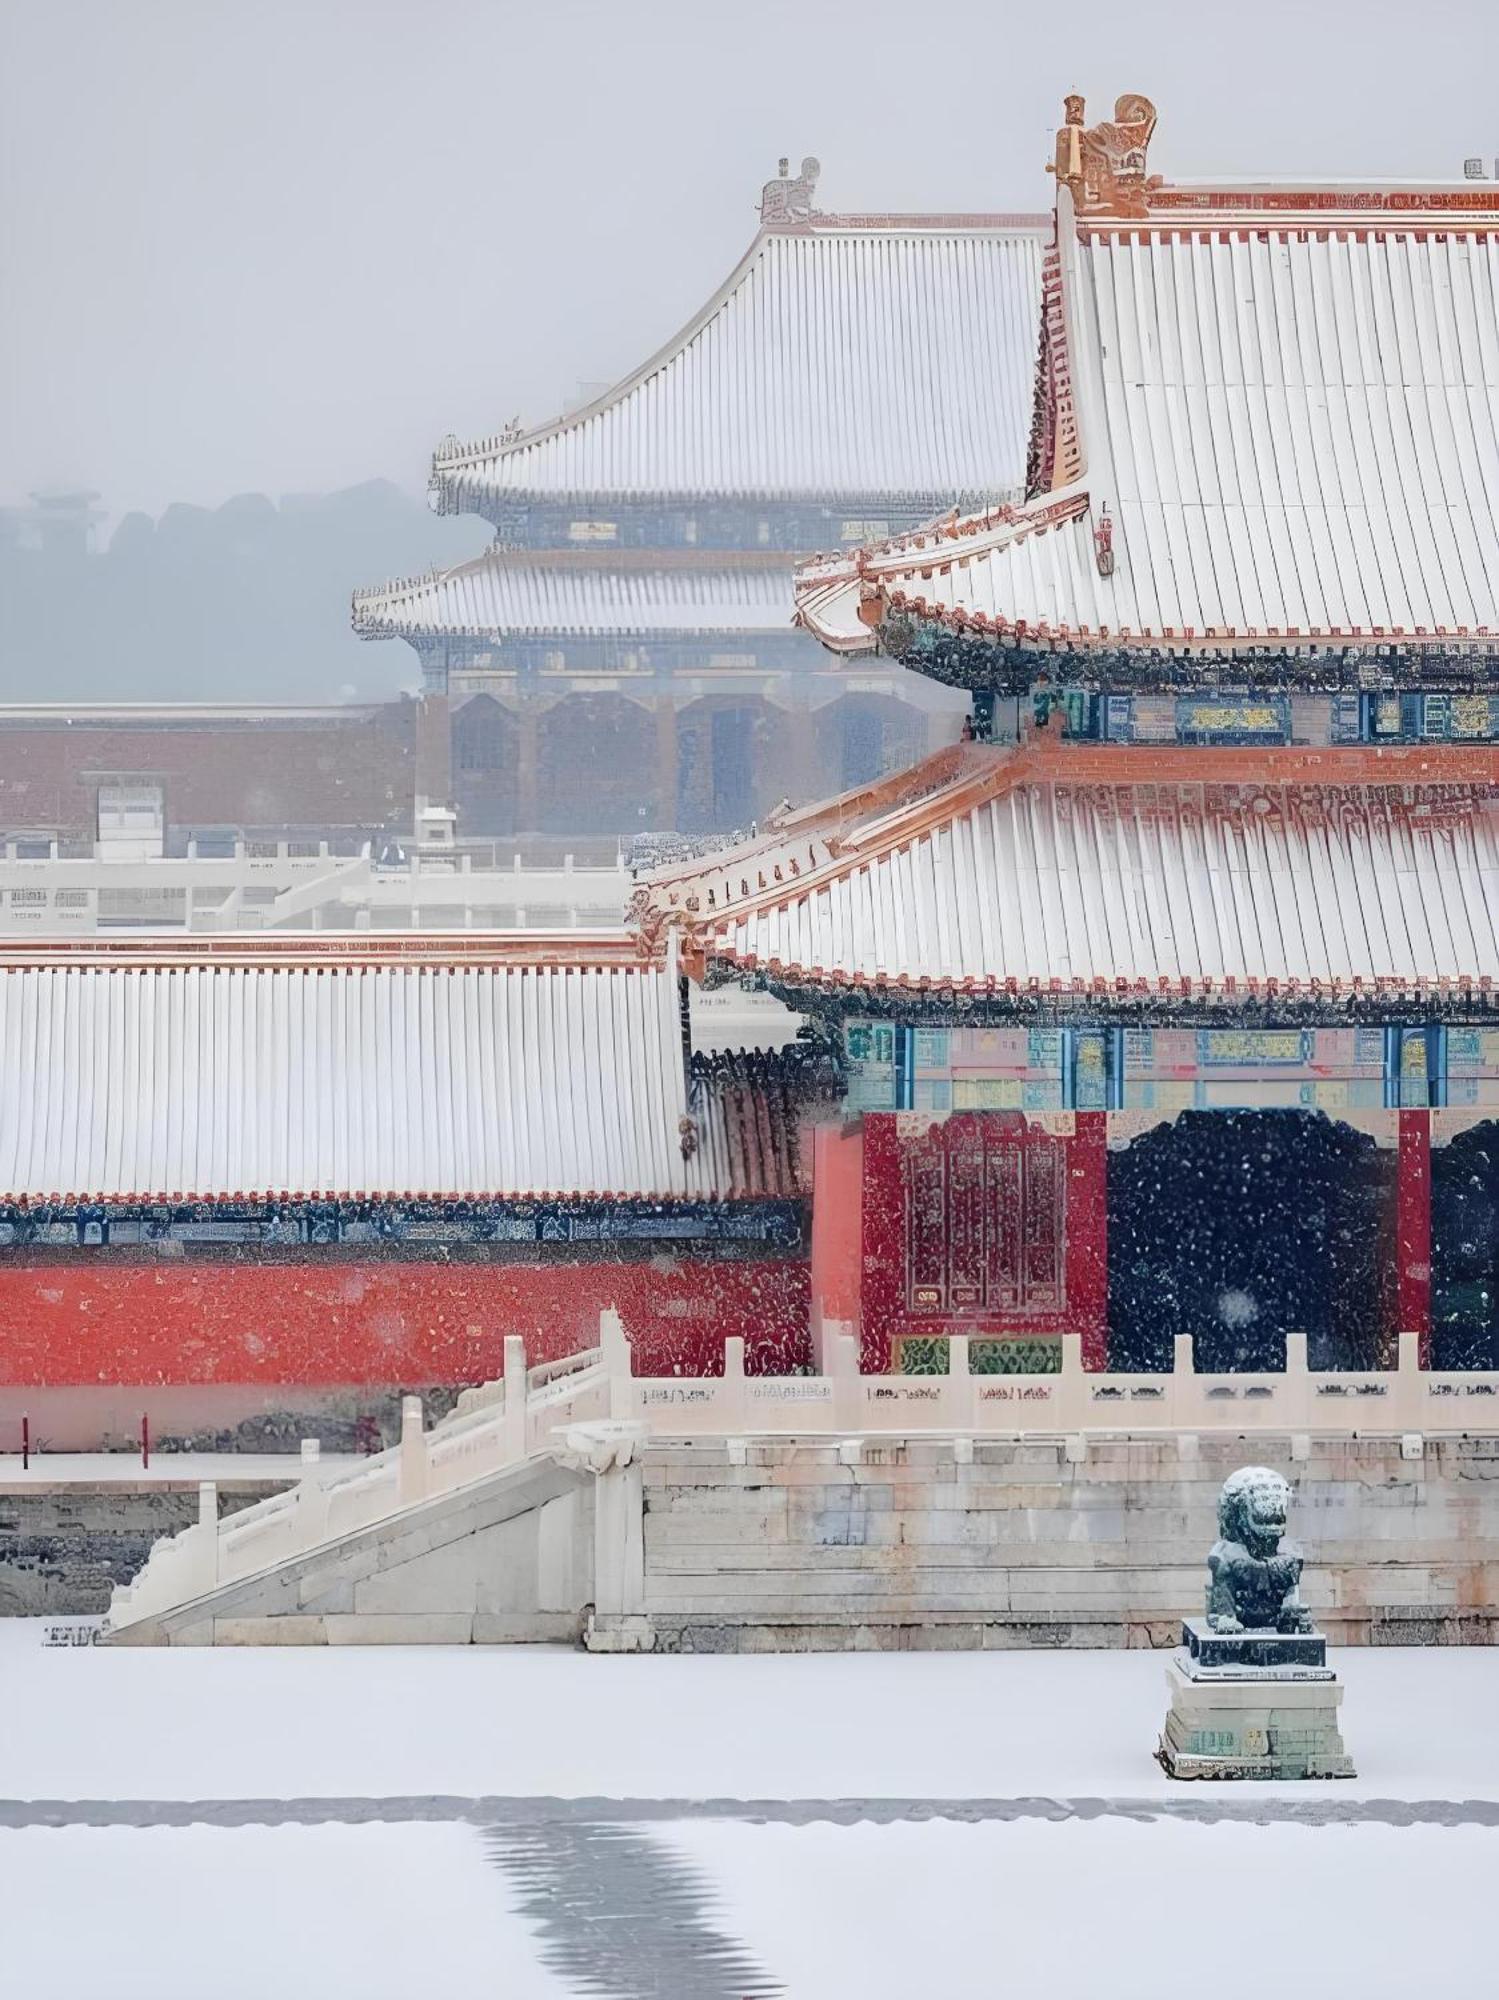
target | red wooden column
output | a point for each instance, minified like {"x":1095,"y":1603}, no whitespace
{"x":1413,"y":1229}
{"x":882,"y":1275}
{"x":837,"y":1232}
{"x":1088,"y":1237}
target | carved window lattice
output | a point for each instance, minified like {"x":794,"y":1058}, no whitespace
{"x":984,"y":1220}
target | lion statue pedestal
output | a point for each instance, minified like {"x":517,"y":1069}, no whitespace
{"x":1252,"y":1695}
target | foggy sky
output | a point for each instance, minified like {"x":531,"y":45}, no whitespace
{"x":285,"y":247}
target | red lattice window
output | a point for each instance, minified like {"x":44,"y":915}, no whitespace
{"x":984,"y":1212}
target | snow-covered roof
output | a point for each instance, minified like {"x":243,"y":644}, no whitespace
{"x":861,"y":355}
{"x":1061,"y":871}
{"x":200,"y":1069}
{"x":793,"y":842}
{"x":503,"y":594}
{"x":1265,"y":417}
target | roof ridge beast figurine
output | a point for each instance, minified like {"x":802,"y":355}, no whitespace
{"x":1254,"y":1584}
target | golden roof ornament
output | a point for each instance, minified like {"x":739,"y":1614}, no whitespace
{"x":1104,"y":165}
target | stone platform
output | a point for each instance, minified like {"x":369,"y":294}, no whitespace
{"x":1254,"y":1652}
{"x":1252,"y":1705}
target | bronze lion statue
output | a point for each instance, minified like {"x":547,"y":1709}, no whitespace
{"x":1253,"y":1585}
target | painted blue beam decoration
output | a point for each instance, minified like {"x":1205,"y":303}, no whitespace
{"x":421,"y":1227}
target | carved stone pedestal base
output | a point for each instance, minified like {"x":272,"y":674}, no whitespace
{"x":1263,"y":1721}
{"x":616,"y":1633}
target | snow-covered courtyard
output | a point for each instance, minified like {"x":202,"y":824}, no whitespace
{"x":378,"y":1821}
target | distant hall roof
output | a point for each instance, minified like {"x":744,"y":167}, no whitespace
{"x":860,"y":354}
{"x":505,"y":594}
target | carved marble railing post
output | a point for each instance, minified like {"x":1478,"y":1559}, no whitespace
{"x":735,"y":1396}
{"x":843,"y":1366}
{"x":611,"y":1452}
{"x":513,"y":1425}
{"x":312,"y":1504}
{"x":614,"y":1344}
{"x":411,"y":1474}
{"x":208,"y":1530}
{"x":1296,"y":1412}
{"x":957,"y":1413}
{"x":1410,"y":1382}
{"x":1182,"y":1406}
{"x":1072,"y":1387}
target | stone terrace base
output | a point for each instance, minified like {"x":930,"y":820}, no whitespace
{"x":1280,"y":1723}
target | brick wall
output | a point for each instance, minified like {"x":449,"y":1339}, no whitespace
{"x":64,"y":1548}
{"x":358,"y":772}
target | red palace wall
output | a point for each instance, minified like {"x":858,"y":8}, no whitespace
{"x":285,"y":1329}
{"x":1015,"y":1244}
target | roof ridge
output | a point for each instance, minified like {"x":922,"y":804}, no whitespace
{"x":893,"y":221}
{"x":547,"y":951}
{"x":1217,"y":205}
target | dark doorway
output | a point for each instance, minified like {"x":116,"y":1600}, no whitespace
{"x":732,"y":758}
{"x":1465,"y":1249}
{"x":1241,"y":1226}
{"x":723,"y":748}
{"x":485,"y":742}
{"x":596,"y":766}
{"x":862,"y":748}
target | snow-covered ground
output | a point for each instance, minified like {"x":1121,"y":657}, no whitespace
{"x":1109,"y":1907}
{"x":315,"y":1722}
{"x":261,"y":1914}
{"x":993,"y":1823}
{"x":1058,"y":1912}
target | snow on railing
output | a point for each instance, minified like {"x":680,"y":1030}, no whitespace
{"x":1400,"y":1400}
{"x":491,"y":1429}
{"x":567,"y":1364}
{"x":488,"y":1395}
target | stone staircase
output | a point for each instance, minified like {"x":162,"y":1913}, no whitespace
{"x":480,"y":1529}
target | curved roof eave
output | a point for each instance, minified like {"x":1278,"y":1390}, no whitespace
{"x":495,"y":447}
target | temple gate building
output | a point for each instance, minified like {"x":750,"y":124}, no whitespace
{"x":1179,"y":1018}
{"x":623,"y":659}
{"x":1175,"y":1014}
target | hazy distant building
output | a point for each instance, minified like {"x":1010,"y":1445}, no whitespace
{"x":623,"y":656}
{"x":140,"y":778}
